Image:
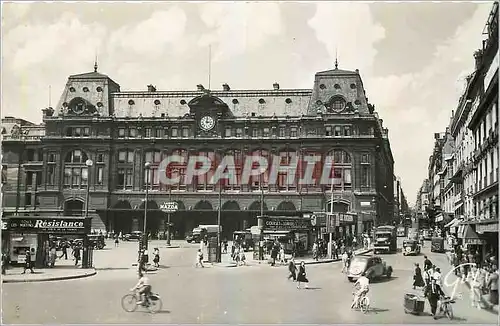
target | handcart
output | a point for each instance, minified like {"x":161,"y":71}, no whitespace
{"x":413,"y":304}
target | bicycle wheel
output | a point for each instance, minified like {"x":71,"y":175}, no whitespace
{"x":365,"y":304}
{"x":448,"y":311}
{"x":155,"y":305}
{"x":129,"y":302}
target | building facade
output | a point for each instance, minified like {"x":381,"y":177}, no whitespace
{"x":468,"y":154}
{"x":98,"y":139}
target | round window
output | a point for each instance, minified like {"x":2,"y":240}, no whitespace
{"x":322,"y":86}
{"x":353,"y":86}
{"x":100,"y":105}
{"x":337,"y":86}
{"x":85,"y":89}
{"x":288,"y":100}
{"x":183,"y":102}
{"x":72,"y":89}
{"x":337,"y":103}
{"x":157,"y":102}
{"x":131,"y":102}
{"x":99,"y":89}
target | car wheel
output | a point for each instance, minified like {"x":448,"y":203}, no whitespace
{"x":350,"y":279}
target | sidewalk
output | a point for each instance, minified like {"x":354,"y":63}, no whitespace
{"x":308,"y":259}
{"x":64,"y":270}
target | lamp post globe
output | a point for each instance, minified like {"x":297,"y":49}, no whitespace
{"x":89,"y":163}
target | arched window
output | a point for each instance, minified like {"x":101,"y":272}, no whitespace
{"x":75,"y":170}
{"x":154,"y":157}
{"x":261,"y":181}
{"x":341,"y":171}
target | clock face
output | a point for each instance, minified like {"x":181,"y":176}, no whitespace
{"x":207,"y":123}
{"x":78,"y":106}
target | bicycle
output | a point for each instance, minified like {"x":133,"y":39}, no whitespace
{"x":152,"y":302}
{"x":363,"y":303}
{"x":446,"y":308}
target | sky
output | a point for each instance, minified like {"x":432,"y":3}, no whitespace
{"x":412,"y":57}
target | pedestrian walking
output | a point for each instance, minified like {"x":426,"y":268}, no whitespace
{"x":199,"y":259}
{"x":156,"y":259}
{"x":117,"y":241}
{"x":225,"y":246}
{"x":302,"y":277}
{"x":274,"y":254}
{"x":76,"y":254}
{"x":5,"y":262}
{"x":427,"y":264}
{"x":475,"y":288}
{"x":28,"y":263}
{"x":345,"y":257}
{"x":418,"y":281}
{"x":492,"y":285}
{"x":292,"y":268}
{"x":282,"y":255}
{"x":433,"y":292}
{"x":242,"y":258}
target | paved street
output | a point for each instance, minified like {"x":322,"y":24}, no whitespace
{"x":254,"y":294}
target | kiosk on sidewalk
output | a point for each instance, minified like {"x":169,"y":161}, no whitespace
{"x":24,"y":234}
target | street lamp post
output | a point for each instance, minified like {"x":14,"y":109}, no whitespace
{"x":219,"y":207}
{"x":85,"y":262}
{"x":147,"y":167}
{"x":168,"y":214}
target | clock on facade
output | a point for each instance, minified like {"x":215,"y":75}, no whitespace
{"x":207,"y":123}
{"x":78,"y":106}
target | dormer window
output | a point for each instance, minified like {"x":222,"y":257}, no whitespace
{"x":85,"y":89}
{"x":337,"y":104}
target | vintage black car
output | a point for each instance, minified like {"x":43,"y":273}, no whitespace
{"x":411,"y":247}
{"x":135,"y":235}
{"x":97,"y":241}
{"x":374,"y":264}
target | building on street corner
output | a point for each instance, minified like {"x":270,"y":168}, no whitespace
{"x":46,"y":169}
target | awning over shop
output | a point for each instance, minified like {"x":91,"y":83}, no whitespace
{"x":471,"y":237}
{"x":443,"y":217}
{"x":454,"y":223}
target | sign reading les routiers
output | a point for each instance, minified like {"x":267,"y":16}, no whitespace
{"x":47,"y":224}
{"x":287,"y":224}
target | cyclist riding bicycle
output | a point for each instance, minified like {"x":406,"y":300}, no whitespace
{"x":362,"y":287}
{"x":143,"y":288}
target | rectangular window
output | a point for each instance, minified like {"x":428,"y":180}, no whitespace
{"x":328,"y":131}
{"x":67,"y":177}
{"x":4,"y":174}
{"x":147,"y":132}
{"x":99,"y":175}
{"x":149,"y":157}
{"x":76,"y":177}
{"x":130,"y":179}
{"x":130,"y":157}
{"x":228,"y":132}
{"x":174,"y":132}
{"x":29,"y":178}
{"x":293,"y":132}
{"x":347,"y":178}
{"x":38,"y":178}
{"x":122,"y":156}
{"x":337,"y":131}
{"x":121,"y":179}
{"x":86,"y":131}
{"x":239,"y":132}
{"x":282,"y":132}
{"x":158,"y":133}
{"x":51,"y":172}
{"x":52,"y":157}
{"x":185,"y":132}
{"x":347,"y":131}
{"x":27,"y":199}
{"x":266,"y":132}
{"x":121,"y":132}
{"x":77,"y":132}
{"x":132,"y":132}
{"x":85,"y":177}
{"x":365,"y":176}
{"x":100,"y":158}
{"x":365,"y":158}
{"x":254,"y":132}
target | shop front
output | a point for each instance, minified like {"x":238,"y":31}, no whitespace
{"x":291,"y":231}
{"x":488,"y":230}
{"x":22,"y":235}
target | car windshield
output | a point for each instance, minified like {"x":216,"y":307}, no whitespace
{"x":359,"y":259}
{"x":384,"y":234}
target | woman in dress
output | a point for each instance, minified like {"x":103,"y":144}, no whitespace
{"x":418,"y":280}
{"x":301,"y":277}
{"x":156,"y":259}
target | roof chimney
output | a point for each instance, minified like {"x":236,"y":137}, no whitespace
{"x":200,"y":87}
{"x":276,"y":86}
{"x":226,"y":87}
{"x":151,"y":88}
